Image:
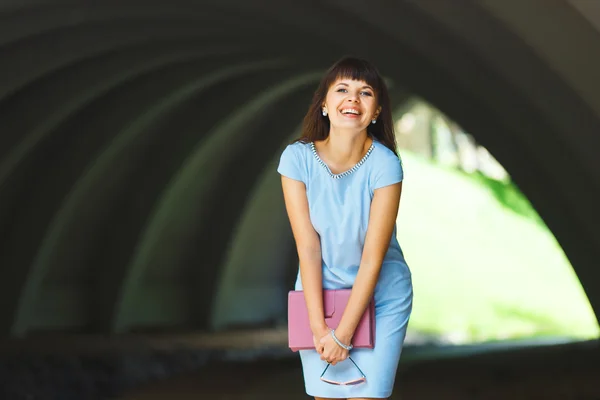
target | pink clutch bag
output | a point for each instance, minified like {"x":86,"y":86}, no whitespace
{"x":300,"y":336}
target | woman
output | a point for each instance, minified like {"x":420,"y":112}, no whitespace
{"x":342,"y":182}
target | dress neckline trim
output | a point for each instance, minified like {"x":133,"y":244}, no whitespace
{"x":345,"y":173}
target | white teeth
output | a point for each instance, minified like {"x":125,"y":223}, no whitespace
{"x":349,"y":111}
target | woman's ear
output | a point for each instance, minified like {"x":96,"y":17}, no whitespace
{"x":377,"y":112}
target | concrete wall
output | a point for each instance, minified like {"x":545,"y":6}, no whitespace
{"x":138,"y":141}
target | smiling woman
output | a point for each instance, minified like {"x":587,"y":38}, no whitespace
{"x":342,"y":182}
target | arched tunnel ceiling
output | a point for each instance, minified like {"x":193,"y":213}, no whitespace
{"x":140,"y":139}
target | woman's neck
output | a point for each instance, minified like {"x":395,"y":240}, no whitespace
{"x":346,"y":148}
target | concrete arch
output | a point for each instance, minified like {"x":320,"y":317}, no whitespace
{"x":211,"y":154}
{"x":79,"y":203}
{"x":26,"y":152}
{"x":250,"y":293}
{"x":504,"y":70}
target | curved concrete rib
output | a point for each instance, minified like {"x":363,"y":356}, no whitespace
{"x":13,"y":199}
{"x":100,"y":171}
{"x":75,"y":48}
{"x":124,"y":71}
{"x":252,"y":288}
{"x":20,"y":25}
{"x":116,"y":78}
{"x":181,"y":207}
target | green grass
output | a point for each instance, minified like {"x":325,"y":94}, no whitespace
{"x":484,"y":265}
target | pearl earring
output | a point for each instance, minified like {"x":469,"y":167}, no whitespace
{"x":324,"y":112}
{"x":373,"y":121}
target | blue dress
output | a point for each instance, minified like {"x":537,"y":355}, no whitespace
{"x":339,"y":211}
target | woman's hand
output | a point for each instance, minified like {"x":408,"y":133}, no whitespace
{"x":332,"y":352}
{"x":320,"y":333}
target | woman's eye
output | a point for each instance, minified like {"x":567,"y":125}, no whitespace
{"x":364,"y":93}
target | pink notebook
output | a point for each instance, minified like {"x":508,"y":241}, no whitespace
{"x":334,"y":303}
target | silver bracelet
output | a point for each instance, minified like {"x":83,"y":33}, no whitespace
{"x":342,"y":345}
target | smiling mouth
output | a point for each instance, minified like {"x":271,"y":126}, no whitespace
{"x":350,"y":111}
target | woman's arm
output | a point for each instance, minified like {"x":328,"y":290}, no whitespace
{"x":309,"y":252}
{"x":382,"y":218}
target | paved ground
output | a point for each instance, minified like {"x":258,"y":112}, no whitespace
{"x":241,"y":366}
{"x":561,"y":373}
{"x":277,"y":382}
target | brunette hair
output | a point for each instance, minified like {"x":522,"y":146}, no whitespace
{"x":316,"y":126}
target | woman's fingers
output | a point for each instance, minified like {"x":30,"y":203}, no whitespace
{"x":330,"y":351}
{"x":333,"y":357}
{"x":318,"y":345}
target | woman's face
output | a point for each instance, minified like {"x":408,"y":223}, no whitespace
{"x":351,"y":104}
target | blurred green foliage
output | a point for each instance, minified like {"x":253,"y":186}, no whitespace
{"x":485,"y":266}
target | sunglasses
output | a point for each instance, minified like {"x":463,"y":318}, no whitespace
{"x":360,"y":380}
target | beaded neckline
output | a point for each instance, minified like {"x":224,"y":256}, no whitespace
{"x":345,"y":173}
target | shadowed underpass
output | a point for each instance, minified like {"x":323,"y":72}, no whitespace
{"x":140,"y":205}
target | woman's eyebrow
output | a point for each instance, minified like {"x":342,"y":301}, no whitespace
{"x":345,"y":84}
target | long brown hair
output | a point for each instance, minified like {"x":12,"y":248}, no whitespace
{"x":316,"y":127}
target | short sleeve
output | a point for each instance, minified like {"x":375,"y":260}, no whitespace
{"x":291,"y":165}
{"x":389,"y":172}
